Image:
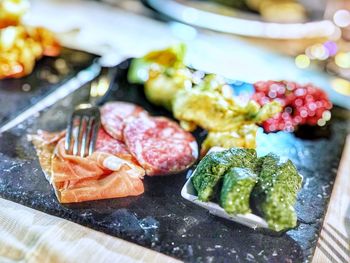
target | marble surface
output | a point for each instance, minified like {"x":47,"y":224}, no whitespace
{"x":161,"y":219}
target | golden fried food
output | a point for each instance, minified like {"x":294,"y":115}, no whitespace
{"x":244,"y":136}
{"x":283,"y":11}
{"x":46,"y":39}
{"x":208,"y":105}
{"x":21,"y":46}
{"x":229,"y":124}
{"x":160,"y":88}
{"x":11,"y":12}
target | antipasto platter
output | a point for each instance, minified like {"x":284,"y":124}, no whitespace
{"x":156,"y":215}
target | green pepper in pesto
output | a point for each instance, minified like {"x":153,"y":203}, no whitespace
{"x":276,"y":192}
{"x":211,"y":169}
{"x":235,"y":193}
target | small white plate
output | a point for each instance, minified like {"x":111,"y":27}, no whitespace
{"x":250,"y":220}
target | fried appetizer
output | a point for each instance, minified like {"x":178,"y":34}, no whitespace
{"x":21,"y":47}
{"x":11,"y":12}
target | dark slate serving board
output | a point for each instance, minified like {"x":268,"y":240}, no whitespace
{"x":160,"y":218}
{"x":16,"y":95}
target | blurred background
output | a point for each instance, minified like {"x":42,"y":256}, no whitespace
{"x":248,"y":40}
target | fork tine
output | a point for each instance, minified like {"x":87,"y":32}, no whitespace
{"x":86,"y":136}
{"x":77,"y":136}
{"x":96,"y":127}
{"x":69,"y":131}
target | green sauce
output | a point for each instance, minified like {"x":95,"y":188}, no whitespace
{"x":213,"y":166}
{"x":276,"y":192}
{"x":235,"y":193}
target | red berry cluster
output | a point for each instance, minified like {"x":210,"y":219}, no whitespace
{"x":302,"y":104}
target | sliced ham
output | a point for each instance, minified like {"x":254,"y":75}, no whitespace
{"x":160,"y":145}
{"x":122,"y":183}
{"x":114,"y":115}
{"x":114,"y":178}
{"x":67,"y":167}
{"x":45,"y":143}
{"x":110,"y":172}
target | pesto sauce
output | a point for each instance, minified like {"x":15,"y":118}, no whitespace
{"x":276,"y":192}
{"x":211,"y":169}
{"x":236,"y":189}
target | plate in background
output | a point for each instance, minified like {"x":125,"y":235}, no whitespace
{"x":229,"y":20}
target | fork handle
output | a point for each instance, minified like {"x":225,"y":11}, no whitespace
{"x":110,"y":74}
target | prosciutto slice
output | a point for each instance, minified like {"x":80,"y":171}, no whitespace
{"x":109,"y":172}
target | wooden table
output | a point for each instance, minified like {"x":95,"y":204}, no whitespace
{"x":334,"y":242}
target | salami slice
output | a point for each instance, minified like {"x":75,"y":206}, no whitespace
{"x":115,"y":114}
{"x":160,"y":145}
{"x":107,"y":144}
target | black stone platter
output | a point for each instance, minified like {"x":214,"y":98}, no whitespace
{"x":16,"y":95}
{"x":161,"y":219}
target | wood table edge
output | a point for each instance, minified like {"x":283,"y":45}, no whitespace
{"x":333,"y":243}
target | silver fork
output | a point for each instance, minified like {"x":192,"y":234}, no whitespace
{"x":85,"y":121}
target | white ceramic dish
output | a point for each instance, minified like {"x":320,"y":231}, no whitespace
{"x":251,"y":220}
{"x":202,"y":14}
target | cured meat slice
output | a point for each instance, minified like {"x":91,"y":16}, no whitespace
{"x":107,"y":144}
{"x":116,"y":184}
{"x":98,"y":176}
{"x":160,"y":145}
{"x":115,"y":114}
{"x":110,"y":172}
{"x":45,"y":143}
{"x":65,"y":167}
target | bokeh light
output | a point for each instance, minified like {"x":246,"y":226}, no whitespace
{"x":341,"y":86}
{"x":326,"y":115}
{"x":319,"y":51}
{"x":321,"y":122}
{"x":342,"y":60}
{"x":331,"y":47}
{"x":302,"y":61}
{"x":342,"y":18}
